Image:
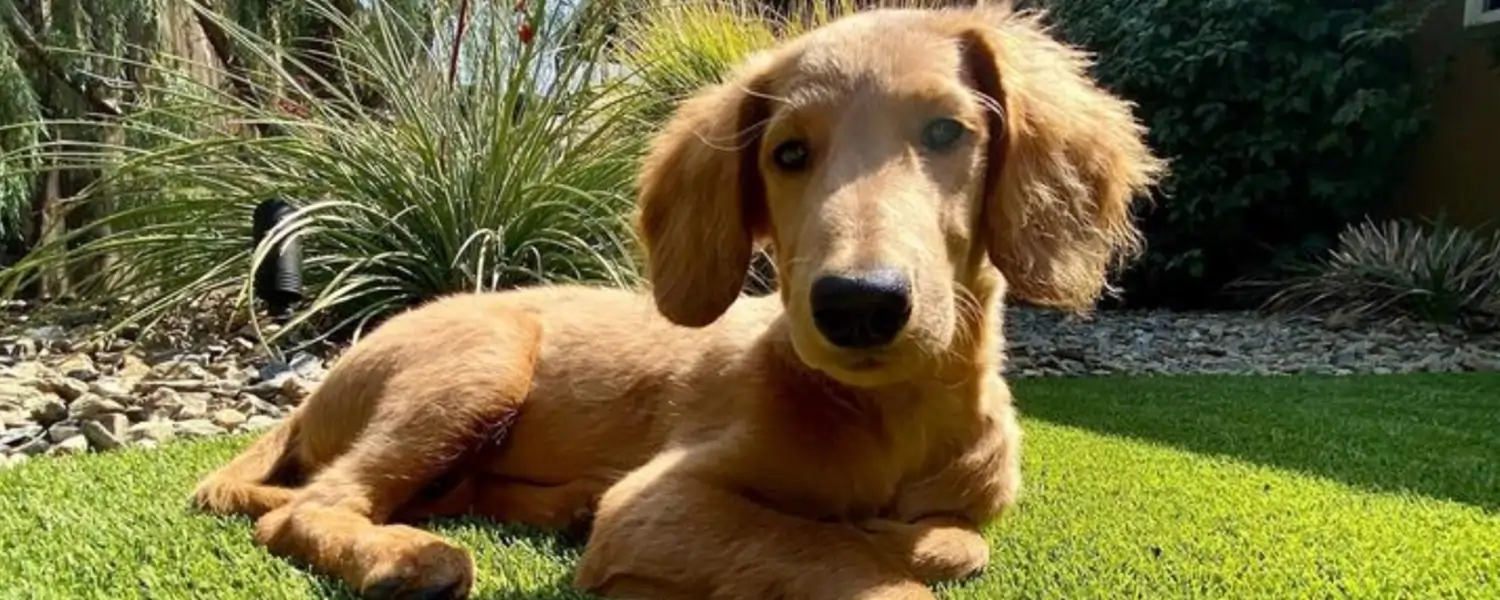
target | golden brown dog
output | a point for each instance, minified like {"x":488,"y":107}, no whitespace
{"x":846,"y":437}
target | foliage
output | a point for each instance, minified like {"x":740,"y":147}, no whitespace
{"x":92,"y":37}
{"x":19,"y":113}
{"x":1435,"y":272}
{"x":446,"y":186}
{"x":679,"y":48}
{"x":1284,"y":120}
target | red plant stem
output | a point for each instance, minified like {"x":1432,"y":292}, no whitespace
{"x":458,"y":38}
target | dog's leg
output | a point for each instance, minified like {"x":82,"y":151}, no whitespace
{"x":557,"y":507}
{"x":566,"y":507}
{"x":935,"y":549}
{"x":339,"y":523}
{"x":666,"y":532}
{"x":241,"y":487}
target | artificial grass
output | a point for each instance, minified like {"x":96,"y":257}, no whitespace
{"x":1182,"y":487}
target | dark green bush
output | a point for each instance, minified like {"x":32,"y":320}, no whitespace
{"x":1285,"y":120}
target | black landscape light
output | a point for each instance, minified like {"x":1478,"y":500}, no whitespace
{"x":278,"y":278}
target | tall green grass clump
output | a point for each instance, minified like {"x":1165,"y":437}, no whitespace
{"x":674,"y":47}
{"x":1430,"y":271}
{"x":421,"y":171}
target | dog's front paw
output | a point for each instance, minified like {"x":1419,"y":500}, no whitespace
{"x":934,"y":550}
{"x":411,"y":564}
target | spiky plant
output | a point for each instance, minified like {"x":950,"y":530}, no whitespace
{"x":482,"y":162}
{"x":1432,"y":271}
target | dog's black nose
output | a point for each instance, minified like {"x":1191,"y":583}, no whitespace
{"x":863,"y":311}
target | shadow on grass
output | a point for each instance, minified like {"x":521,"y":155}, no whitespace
{"x":1437,"y":435}
{"x":496,"y":547}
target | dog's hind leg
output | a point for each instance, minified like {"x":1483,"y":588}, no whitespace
{"x":430,"y":415}
{"x":248,"y":484}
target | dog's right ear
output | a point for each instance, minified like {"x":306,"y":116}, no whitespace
{"x":701,"y":200}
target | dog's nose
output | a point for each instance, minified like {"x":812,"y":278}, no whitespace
{"x":862,"y":311}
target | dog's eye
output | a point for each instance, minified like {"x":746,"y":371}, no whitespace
{"x":942,"y":133}
{"x":790,"y":155}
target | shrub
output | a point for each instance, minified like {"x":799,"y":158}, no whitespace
{"x":445,"y":185}
{"x":1433,"y":272}
{"x":1285,"y":120}
{"x":18,"y":113}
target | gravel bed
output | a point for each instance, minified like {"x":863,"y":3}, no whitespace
{"x":59,"y":396}
{"x":1051,"y":344}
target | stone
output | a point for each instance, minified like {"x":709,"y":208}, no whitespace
{"x":156,"y":431}
{"x":47,"y":334}
{"x":228,"y":418}
{"x":14,"y":417}
{"x":197,"y":428}
{"x":164,"y":399}
{"x":294,"y":390}
{"x":19,"y":393}
{"x":69,"y":388}
{"x":62,"y":431}
{"x":192,"y":406}
{"x":132,"y":368}
{"x":253,"y":405}
{"x":34,"y":447}
{"x":92,"y":405}
{"x":18,"y":347}
{"x":73,"y":445}
{"x":30,"y":372}
{"x":259,"y":423}
{"x":79,"y":367}
{"x":49,"y":410}
{"x":178,"y":370}
{"x":11,"y":439}
{"x":107,"y":433}
{"x":111,"y":389}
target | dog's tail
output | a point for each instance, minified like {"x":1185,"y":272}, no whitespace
{"x":259,"y":479}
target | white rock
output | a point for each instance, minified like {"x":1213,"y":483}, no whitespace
{"x":92,"y":405}
{"x":197,"y":428}
{"x":107,"y":432}
{"x":193,"y":406}
{"x":259,"y":423}
{"x":156,"y":431}
{"x":73,"y":445}
{"x":62,"y":431}
{"x":228,"y":418}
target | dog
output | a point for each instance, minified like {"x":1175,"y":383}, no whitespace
{"x":847,"y":436}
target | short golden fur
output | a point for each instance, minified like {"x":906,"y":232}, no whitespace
{"x":720,"y":446}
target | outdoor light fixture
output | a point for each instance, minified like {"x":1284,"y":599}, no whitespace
{"x":278,"y":278}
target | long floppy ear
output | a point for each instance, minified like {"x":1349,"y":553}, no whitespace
{"x":1066,"y":160}
{"x":701,"y":199}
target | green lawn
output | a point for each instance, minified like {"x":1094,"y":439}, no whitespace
{"x":1203,"y":487}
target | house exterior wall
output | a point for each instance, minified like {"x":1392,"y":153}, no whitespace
{"x":1455,"y":167}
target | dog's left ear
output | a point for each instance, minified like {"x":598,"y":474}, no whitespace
{"x":1065,"y":160}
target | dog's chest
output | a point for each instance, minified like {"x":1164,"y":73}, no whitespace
{"x":833,"y":467}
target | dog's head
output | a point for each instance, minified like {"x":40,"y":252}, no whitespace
{"x":886,"y":157}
